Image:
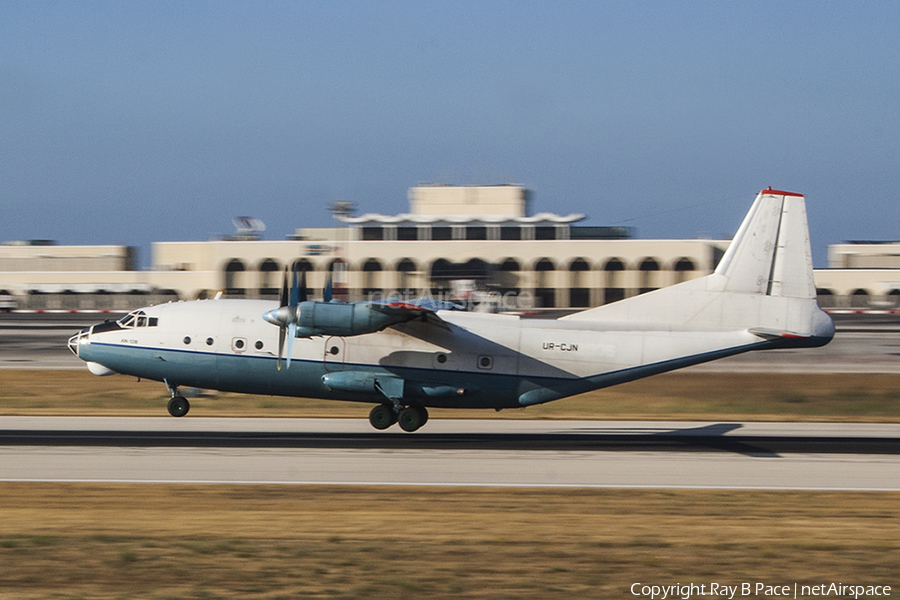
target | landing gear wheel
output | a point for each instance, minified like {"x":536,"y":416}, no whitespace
{"x":412,"y":417}
{"x":382,"y":416}
{"x":179,"y":406}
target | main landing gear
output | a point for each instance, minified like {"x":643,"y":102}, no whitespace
{"x":178,"y":405}
{"x":410,"y":418}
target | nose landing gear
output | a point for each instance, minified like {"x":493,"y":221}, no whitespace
{"x":178,"y":405}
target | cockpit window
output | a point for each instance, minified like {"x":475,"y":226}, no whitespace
{"x":138,"y":318}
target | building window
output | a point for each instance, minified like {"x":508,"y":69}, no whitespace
{"x":579,"y":297}
{"x":407,"y":234}
{"x":649,"y":266}
{"x":613,"y":291}
{"x":406,"y":269}
{"x":268,"y":281}
{"x":510,"y":232}
{"x":545,"y":232}
{"x":476,"y":232}
{"x":371,"y":268}
{"x":441,"y":233}
{"x":232,"y":279}
{"x":579,"y":293}
{"x":508,"y":276}
{"x":510,"y":264}
{"x":372,"y":234}
{"x":544,"y":293}
{"x":545,"y":297}
{"x":682,"y":268}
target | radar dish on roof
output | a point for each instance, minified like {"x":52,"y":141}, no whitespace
{"x":247,"y":226}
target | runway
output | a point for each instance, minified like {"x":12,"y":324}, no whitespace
{"x":510,"y":453}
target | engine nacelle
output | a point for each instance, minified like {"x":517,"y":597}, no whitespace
{"x":332,"y":318}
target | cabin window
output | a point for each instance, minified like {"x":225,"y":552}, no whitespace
{"x":259,"y":345}
{"x":130,"y":320}
{"x":138,"y":318}
{"x":209,"y":341}
{"x":187,"y":339}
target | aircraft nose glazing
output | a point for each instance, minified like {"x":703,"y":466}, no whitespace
{"x":76,"y":340}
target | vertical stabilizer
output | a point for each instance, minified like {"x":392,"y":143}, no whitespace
{"x":770,"y":254}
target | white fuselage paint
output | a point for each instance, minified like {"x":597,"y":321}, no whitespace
{"x":504,"y":355}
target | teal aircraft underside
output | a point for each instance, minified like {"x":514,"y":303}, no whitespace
{"x":407,"y":356}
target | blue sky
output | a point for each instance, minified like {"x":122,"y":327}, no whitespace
{"x":131,"y":122}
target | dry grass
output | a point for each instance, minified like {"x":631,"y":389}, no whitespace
{"x":680,"y":395}
{"x":152,"y":541}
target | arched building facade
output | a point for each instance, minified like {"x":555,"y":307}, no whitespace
{"x":482,"y":236}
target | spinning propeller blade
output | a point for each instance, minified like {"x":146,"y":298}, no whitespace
{"x":281,"y":333}
{"x":295,"y":287}
{"x":292,"y":333}
{"x":288,"y":313}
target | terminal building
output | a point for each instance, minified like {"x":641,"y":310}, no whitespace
{"x":480,"y":241}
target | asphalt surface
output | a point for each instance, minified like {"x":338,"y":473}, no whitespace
{"x":453,"y":453}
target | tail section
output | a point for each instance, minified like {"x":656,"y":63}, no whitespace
{"x":770,"y":254}
{"x":763,"y":284}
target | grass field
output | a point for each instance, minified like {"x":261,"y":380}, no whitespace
{"x":681,"y":395}
{"x":151,"y":541}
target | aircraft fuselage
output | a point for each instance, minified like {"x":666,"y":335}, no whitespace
{"x":475,"y":361}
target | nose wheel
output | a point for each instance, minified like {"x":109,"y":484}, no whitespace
{"x":410,"y":418}
{"x":179,"y":406}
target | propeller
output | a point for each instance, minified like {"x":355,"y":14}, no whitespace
{"x":287,"y":314}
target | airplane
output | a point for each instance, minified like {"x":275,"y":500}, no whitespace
{"x":406,"y":357}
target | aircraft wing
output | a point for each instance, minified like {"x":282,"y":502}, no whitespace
{"x":421,"y":308}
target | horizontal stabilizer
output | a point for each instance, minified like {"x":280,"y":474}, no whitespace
{"x":774,"y":334}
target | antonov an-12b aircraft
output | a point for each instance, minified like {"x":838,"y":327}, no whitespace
{"x":407,"y":356}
